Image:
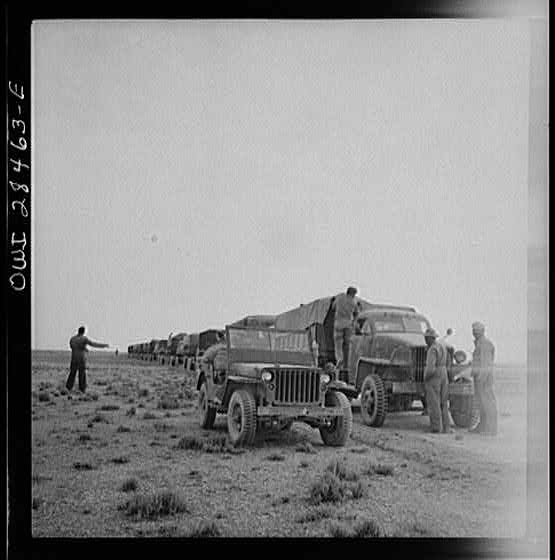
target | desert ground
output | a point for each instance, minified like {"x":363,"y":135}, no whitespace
{"x":128,"y":458}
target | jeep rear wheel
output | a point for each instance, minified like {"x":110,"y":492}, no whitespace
{"x":373,"y":402}
{"x":241,"y":418}
{"x":207,"y":413}
{"x":338,"y":432}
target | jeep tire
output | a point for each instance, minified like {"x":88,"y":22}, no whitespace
{"x":207,"y":412}
{"x":241,"y":418}
{"x":337,"y":434}
{"x":373,"y":401}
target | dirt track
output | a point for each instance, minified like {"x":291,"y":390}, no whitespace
{"x":406,"y":481}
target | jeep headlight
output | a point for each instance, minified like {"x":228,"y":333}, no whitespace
{"x":325,"y":378}
{"x":267,"y":376}
{"x":459,"y":356}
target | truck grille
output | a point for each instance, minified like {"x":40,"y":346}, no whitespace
{"x":419,"y":361}
{"x":294,"y":386}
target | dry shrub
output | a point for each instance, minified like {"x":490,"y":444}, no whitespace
{"x":84,"y":437}
{"x":143,"y":392}
{"x":109,"y":407}
{"x":129,"y":485}
{"x":162,"y":426}
{"x":121,"y":460}
{"x":275,"y":457}
{"x":316,"y":514}
{"x":328,"y":488}
{"x":357,"y":490}
{"x":204,"y":529}
{"x":379,"y":468}
{"x":305,"y":447}
{"x":44,"y":396}
{"x":131,"y":411}
{"x":338,"y":531}
{"x":83,"y":466}
{"x":168,"y":403}
{"x":100,"y":418}
{"x":149,"y":416}
{"x":190,"y":442}
{"x":37,"y":502}
{"x":122,"y":429}
{"x":340,"y":469}
{"x":368,"y":528}
{"x":154,"y":506}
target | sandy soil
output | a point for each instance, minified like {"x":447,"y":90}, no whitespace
{"x":129,"y":429}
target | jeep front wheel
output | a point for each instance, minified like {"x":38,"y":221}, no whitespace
{"x":373,"y":401}
{"x":339,"y":430}
{"x":241,"y":418}
{"x":207,"y":413}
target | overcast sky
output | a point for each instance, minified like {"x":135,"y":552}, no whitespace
{"x":189,"y":173}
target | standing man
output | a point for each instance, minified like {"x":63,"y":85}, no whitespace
{"x":78,"y":344}
{"x":346,"y":310}
{"x":436,"y":383}
{"x":482,"y":373}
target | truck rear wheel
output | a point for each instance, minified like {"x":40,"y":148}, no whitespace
{"x":373,"y":401}
{"x":338,"y":432}
{"x":207,"y":413}
{"x":241,"y":418}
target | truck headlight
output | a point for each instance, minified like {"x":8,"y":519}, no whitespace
{"x":325,"y":378}
{"x":267,"y":376}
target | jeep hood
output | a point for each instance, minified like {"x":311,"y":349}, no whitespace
{"x":248,"y":369}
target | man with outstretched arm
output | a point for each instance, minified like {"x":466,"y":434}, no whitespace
{"x":78,"y":344}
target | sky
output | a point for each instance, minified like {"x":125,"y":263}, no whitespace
{"x":189,"y":173}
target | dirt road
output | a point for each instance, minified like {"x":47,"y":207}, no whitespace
{"x":102,"y":463}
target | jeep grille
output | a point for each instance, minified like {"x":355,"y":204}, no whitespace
{"x":296,"y":386}
{"x":419,"y":360}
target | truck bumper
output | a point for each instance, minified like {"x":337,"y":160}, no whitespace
{"x":415,"y":388}
{"x":298,"y":411}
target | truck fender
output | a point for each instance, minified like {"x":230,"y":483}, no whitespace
{"x":366,"y":366}
{"x":341,"y":387}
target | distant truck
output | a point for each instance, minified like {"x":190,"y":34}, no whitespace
{"x":386,"y":358}
{"x":174,"y":348}
{"x":267,"y":378}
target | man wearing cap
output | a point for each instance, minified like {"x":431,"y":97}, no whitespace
{"x":482,"y":373}
{"x":346,"y":310}
{"x":436,"y":383}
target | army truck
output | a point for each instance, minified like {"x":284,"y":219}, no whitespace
{"x":265,"y":378}
{"x":386,"y":358}
{"x":159,"y":351}
{"x":196,"y":346}
{"x":174,"y":348}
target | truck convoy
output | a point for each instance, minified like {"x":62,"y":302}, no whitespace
{"x":386,"y":359}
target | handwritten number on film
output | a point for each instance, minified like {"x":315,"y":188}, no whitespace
{"x":19,"y":186}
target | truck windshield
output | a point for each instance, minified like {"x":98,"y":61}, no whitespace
{"x":266,"y":339}
{"x":401,"y":324}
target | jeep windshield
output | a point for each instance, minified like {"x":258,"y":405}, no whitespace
{"x":269,"y":345}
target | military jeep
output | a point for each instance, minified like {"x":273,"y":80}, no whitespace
{"x":266,"y":378}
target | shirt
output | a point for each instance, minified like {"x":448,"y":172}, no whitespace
{"x":436,"y":360}
{"x":345,"y":309}
{"x":78,"y":344}
{"x":483,"y":356}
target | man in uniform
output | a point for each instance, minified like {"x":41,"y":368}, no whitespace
{"x":482,"y":373}
{"x":436,"y":383}
{"x":78,"y":344}
{"x":346,"y":310}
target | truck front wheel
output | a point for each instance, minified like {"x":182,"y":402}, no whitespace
{"x":338,"y":432}
{"x":373,"y":401}
{"x":241,"y":418}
